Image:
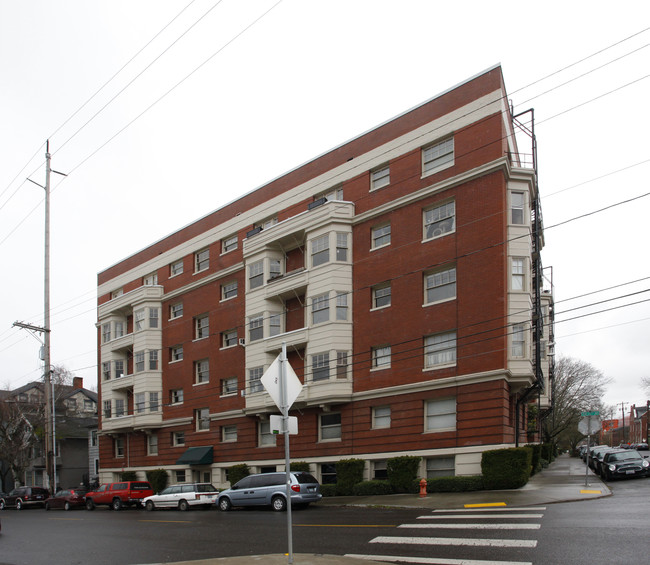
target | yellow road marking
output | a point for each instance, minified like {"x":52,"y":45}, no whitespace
{"x":346,"y":525}
{"x":484,"y":505}
{"x":591,"y":492}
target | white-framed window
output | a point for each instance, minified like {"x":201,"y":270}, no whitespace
{"x":440,"y":220}
{"x":518,"y":340}
{"x":176,"y":310}
{"x":254,"y":376}
{"x":202,"y":326}
{"x":256,"y":274}
{"x":138,"y":319}
{"x":381,"y":295}
{"x":380,"y":177}
{"x":106,"y":370}
{"x":153,"y":317}
{"x":119,"y":447}
{"x":267,"y":223}
{"x":119,"y":407}
{"x":229,"y":433}
{"x":140,"y":402}
{"x":256,"y":327}
{"x":341,"y":246}
{"x":266,"y":437}
{"x":441,"y":467}
{"x":229,"y":338}
{"x":275,"y":268}
{"x":108,"y":413}
{"x":380,"y":236}
{"x":94,"y":438}
{"x":179,"y":475}
{"x":381,"y":417}
{"x":202,"y":371}
{"x":320,"y":309}
{"x":176,"y":396}
{"x":152,"y":444}
{"x":440,"y":350}
{"x":150,"y":280}
{"x":438,"y":156}
{"x":138,"y":361}
{"x":517,"y":207}
{"x":275,"y":324}
{"x":320,"y":366}
{"x":331,"y":194}
{"x":176,"y":353}
{"x":440,"y":415}
{"x":201,"y":260}
{"x":154,"y":405}
{"x":381,"y":357}
{"x":229,"y":244}
{"x":341,"y":364}
{"x":329,"y":426}
{"x":440,"y":286}
{"x":342,"y":306}
{"x":229,"y":290}
{"x":176,"y":268}
{"x":518,"y":276}
{"x":178,"y":439}
{"x":228,"y":386}
{"x":119,"y":329}
{"x":153,"y":359}
{"x":202,"y":419}
{"x":119,"y":368}
{"x":117,"y":293}
{"x":320,"y":250}
{"x":106,"y":332}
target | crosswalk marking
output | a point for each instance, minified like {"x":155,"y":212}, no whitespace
{"x":482,"y":516}
{"x":474,"y":526}
{"x":432,"y":560}
{"x":456,"y":541}
{"x":532,"y":508}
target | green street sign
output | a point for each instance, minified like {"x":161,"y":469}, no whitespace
{"x":594,"y":413}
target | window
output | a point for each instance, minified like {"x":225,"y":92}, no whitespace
{"x":229,"y":433}
{"x":202,"y":326}
{"x":106,"y":371}
{"x":177,"y":353}
{"x":256,"y":327}
{"x":437,"y":156}
{"x":332,"y":194}
{"x":176,"y":396}
{"x":119,"y":407}
{"x":381,"y":295}
{"x":320,"y":366}
{"x":320,"y":250}
{"x":440,"y":286}
{"x":380,"y":470}
{"x":107,"y":409}
{"x":180,"y":475}
{"x":254,"y":376}
{"x":106,"y":332}
{"x":330,"y":426}
{"x":93,"y":438}
{"x":119,"y":369}
{"x":517,"y":207}
{"x":380,"y":177}
{"x":275,"y":268}
{"x":138,"y":358}
{"x":380,"y":236}
{"x":275,"y":324}
{"x":139,"y":402}
{"x":176,"y":268}
{"x":341,"y":246}
{"x":439,"y":350}
{"x":138,"y":318}
{"x":320,"y":309}
{"x":229,"y":338}
{"x":518,"y":340}
{"x":381,"y":357}
{"x":153,"y":317}
{"x":440,"y":415}
{"x":119,"y":329}
{"x":266,"y":437}
{"x":341,"y":364}
{"x":229,"y":244}
{"x":440,"y":220}
{"x":256,"y":274}
{"x":266,"y":224}
{"x":518,"y":274}
{"x":153,"y":402}
{"x":202,"y":371}
{"x":381,"y":417}
{"x":228,"y":386}
{"x":342,"y":307}
{"x":153,"y":360}
{"x":150,"y":280}
{"x":441,"y":467}
{"x":176,"y":310}
{"x":202,"y":417}
{"x":119,"y":447}
{"x":117,"y":293}
{"x":229,"y":290}
{"x":178,"y":439}
{"x":152,"y":444}
{"x":201,"y":260}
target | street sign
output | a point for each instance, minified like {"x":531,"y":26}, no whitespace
{"x":592,"y":413}
{"x":276,"y":424}
{"x":590,"y":424}
{"x":271,"y":382}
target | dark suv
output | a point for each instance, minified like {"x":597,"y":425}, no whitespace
{"x":24,"y":497}
{"x":118,"y":495}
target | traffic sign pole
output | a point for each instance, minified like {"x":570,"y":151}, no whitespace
{"x":284,"y":408}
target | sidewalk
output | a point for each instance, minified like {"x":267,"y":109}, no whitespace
{"x":563,"y":481}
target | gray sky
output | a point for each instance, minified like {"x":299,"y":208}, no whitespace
{"x":257,"y":88}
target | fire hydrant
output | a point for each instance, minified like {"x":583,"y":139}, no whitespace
{"x":423,"y":488}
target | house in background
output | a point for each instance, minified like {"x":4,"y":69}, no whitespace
{"x":403,"y":271}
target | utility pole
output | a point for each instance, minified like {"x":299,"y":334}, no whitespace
{"x":623,"y":405}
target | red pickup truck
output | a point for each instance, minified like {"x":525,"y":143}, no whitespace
{"x":119,"y":495}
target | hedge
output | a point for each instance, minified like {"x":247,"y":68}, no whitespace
{"x":402,"y":473}
{"x":506,"y":468}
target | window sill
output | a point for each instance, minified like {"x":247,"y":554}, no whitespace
{"x":445,"y":366}
{"x":427,"y":304}
{"x":426,"y":174}
{"x":440,"y":430}
{"x":380,"y":308}
{"x":383,"y":367}
{"x":377,"y":247}
{"x":438,"y":236}
{"x":201,"y":384}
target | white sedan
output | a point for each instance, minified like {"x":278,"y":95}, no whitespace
{"x":183,"y":497}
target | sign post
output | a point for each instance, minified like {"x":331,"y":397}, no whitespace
{"x":589,"y":424}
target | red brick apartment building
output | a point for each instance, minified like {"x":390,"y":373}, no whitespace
{"x":403,"y":271}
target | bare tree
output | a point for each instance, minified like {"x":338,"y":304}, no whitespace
{"x":645,"y":384}
{"x":17,"y":436}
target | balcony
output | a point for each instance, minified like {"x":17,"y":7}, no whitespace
{"x":123,"y":305}
{"x":119,"y":343}
{"x":288,"y":285}
{"x":118,"y":383}
{"x":131,"y":422}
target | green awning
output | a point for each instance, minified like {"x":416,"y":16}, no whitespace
{"x":196,"y":456}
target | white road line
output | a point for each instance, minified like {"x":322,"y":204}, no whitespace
{"x":475,"y":526}
{"x":482,"y":516}
{"x":487,"y":509}
{"x":456,"y":541}
{"x":432,"y":560}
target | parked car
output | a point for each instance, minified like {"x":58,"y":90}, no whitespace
{"x":598,"y":455}
{"x":67,"y":499}
{"x":592,"y":450}
{"x":642,"y":447}
{"x":269,"y":489}
{"x":24,"y":497}
{"x":624,"y":464}
{"x":119,"y":495}
{"x":183,"y":497}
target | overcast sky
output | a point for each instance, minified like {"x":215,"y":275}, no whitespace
{"x":190,"y":118}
